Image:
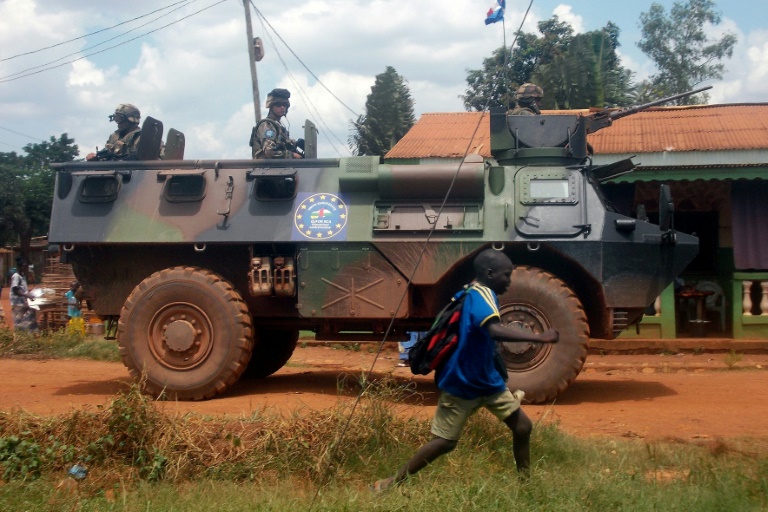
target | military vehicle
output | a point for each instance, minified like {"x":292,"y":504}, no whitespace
{"x":210,"y":268}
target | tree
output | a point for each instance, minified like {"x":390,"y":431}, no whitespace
{"x":26,"y":189}
{"x":587,"y":74}
{"x":575,"y":70}
{"x":679,"y":46}
{"x":12,"y":217}
{"x":572,"y":79}
{"x":388,"y":116}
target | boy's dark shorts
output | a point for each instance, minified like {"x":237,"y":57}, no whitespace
{"x":453,"y":412}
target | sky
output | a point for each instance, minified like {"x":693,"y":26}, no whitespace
{"x":185,"y":62}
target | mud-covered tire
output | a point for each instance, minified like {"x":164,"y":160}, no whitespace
{"x":536,"y":301}
{"x":273,"y":348}
{"x":185,"y":333}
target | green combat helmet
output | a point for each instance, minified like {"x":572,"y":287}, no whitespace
{"x":526,"y":93}
{"x":130,"y":112}
{"x":281,"y":95}
{"x":526,"y":99}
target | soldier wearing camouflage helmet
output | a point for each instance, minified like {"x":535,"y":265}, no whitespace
{"x":123,"y":143}
{"x":527,"y":100}
{"x":269,"y":138}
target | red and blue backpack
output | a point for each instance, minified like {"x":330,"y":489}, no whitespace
{"x":438,"y":343}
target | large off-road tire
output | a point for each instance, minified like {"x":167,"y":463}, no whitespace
{"x":536,"y":301}
{"x":273,"y":348}
{"x":185,"y":334}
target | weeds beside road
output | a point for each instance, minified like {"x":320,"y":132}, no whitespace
{"x":138,"y":458}
{"x":143,"y":457}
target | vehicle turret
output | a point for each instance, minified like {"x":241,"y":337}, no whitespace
{"x":556,"y":138}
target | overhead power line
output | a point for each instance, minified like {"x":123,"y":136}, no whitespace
{"x":8,"y":79}
{"x":334,"y":445}
{"x":301,"y":61}
{"x":11,"y":145}
{"x":23,"y":71}
{"x":310,"y":106}
{"x":19,"y":133}
{"x":92,"y":33}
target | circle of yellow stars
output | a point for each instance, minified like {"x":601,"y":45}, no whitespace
{"x":308,"y":202}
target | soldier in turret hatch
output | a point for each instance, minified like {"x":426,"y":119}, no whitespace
{"x":527,"y":100}
{"x":124,"y":142}
{"x":269,"y":138}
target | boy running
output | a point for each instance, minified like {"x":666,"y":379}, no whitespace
{"x":469,"y":380}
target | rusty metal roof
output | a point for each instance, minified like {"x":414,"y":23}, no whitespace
{"x":661,"y":129}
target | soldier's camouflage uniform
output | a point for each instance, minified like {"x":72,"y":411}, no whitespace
{"x":269,"y":138}
{"x":123,"y":144}
{"x":521,"y":110}
{"x":270,"y":134}
{"x":525,"y":100}
{"x":122,"y":147}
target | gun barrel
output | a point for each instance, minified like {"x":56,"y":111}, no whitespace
{"x":631,"y":110}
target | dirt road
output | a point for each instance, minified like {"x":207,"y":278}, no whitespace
{"x":688,"y":397}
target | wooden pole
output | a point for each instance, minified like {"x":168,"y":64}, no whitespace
{"x":252,"y":61}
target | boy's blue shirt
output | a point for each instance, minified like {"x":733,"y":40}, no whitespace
{"x":469,"y":373}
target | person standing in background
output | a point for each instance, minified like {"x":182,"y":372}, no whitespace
{"x":24,"y":317}
{"x":74,"y":312}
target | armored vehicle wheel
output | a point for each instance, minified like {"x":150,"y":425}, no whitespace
{"x":185,"y":334}
{"x":536,"y":301}
{"x":272,"y":350}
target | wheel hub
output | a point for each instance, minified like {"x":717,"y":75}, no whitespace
{"x":180,"y":335}
{"x":523,"y":356}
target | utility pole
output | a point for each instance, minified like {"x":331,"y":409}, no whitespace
{"x":252,"y":61}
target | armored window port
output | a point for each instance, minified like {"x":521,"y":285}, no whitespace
{"x":99,"y":189}
{"x":184,"y":188}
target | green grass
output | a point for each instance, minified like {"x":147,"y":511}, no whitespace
{"x":57,"y":344}
{"x":141,"y":459}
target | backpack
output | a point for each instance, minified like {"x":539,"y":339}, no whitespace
{"x":438,"y":343}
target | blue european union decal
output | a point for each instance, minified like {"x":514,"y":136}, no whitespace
{"x":320,"y":216}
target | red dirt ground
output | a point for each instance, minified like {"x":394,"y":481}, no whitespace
{"x":695,"y":398}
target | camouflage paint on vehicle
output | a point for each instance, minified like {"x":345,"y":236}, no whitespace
{"x":331,"y":245}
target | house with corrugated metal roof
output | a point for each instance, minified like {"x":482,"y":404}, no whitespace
{"x":715,"y":159}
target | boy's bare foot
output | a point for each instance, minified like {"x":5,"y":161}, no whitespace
{"x":383,"y":485}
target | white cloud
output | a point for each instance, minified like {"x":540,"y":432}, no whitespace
{"x":746,"y":72}
{"x":566,"y":14}
{"x":194,"y":74}
{"x":83,"y":72}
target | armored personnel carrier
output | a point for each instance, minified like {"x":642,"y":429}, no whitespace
{"x":210,"y":268}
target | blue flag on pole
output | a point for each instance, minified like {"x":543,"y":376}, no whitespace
{"x":496,"y":12}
